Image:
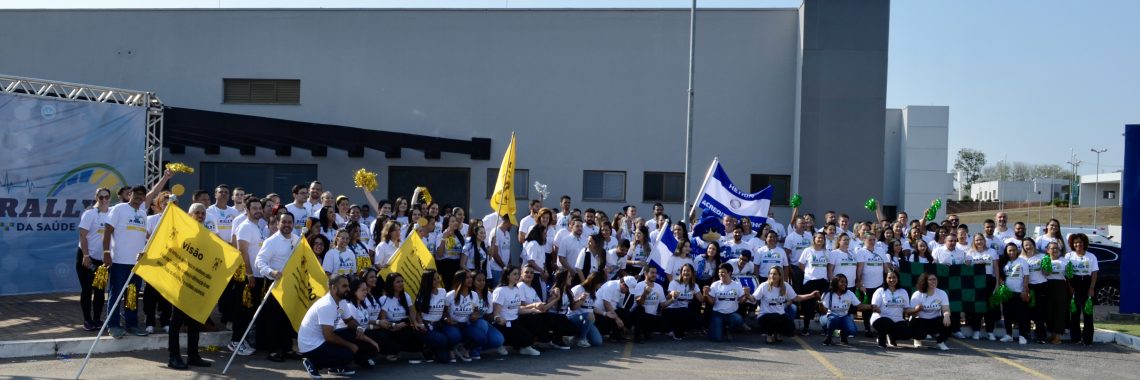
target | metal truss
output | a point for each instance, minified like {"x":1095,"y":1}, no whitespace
{"x":152,"y":154}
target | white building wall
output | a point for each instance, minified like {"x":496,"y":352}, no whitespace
{"x":1092,"y":191}
{"x":1010,"y":191}
{"x":924,"y":158}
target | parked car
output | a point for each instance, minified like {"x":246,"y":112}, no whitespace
{"x":1108,"y":279}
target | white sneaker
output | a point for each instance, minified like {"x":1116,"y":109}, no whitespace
{"x":1005,"y":339}
{"x":917,"y":343}
{"x":150,"y":329}
{"x":166,"y":329}
{"x":991,"y":336}
{"x":529,"y":351}
{"x":583,"y":343}
{"x":242,"y":350}
{"x":959,"y":335}
{"x":502,"y":351}
{"x":942,"y":346}
{"x":1021,"y":340}
{"x":977,"y":335}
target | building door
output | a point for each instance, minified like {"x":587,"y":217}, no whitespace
{"x":448,"y":186}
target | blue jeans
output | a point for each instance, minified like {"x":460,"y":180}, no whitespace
{"x":791,"y":311}
{"x":493,"y":278}
{"x":438,"y":344}
{"x":718,"y":322}
{"x":832,"y":322}
{"x":475,"y":335}
{"x":586,"y":329}
{"x":116,"y":281}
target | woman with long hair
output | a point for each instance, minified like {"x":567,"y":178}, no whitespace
{"x":400,"y":320}
{"x":930,"y":303}
{"x":836,"y":306}
{"x":1037,"y":287}
{"x":584,"y":317}
{"x":432,"y":300}
{"x":813,"y":262}
{"x":339,"y":259}
{"x":1014,"y":273}
{"x":486,"y":309}
{"x":402,"y":212}
{"x":356,"y":321}
{"x":922,"y":253}
{"x":891,"y":306}
{"x":591,"y":259}
{"x":1058,"y":294}
{"x":1085,"y":268}
{"x":1052,"y":235}
{"x":326,"y":223}
{"x":449,"y":254}
{"x":90,"y":257}
{"x":548,"y":326}
{"x":534,"y":251}
{"x":684,"y":310}
{"x":464,"y":321}
{"x":775,"y":298}
{"x":475,"y":251}
{"x":387,"y":244}
{"x":363,"y":255}
{"x":507,"y":302}
{"x":707,"y":265}
{"x":639,"y":251}
{"x":682,"y":256}
{"x":320,"y":246}
{"x":980,"y":253}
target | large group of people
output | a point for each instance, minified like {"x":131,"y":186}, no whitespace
{"x":582,"y":278}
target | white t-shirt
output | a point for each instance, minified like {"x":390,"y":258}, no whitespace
{"x":323,"y":312}
{"x":1036,"y":276}
{"x":594,"y":262}
{"x":526,"y":224}
{"x":1083,"y":265}
{"x":840,"y":305}
{"x":533,"y":251}
{"x":949,"y":257}
{"x":891,"y":304}
{"x":727,"y":296}
{"x":301,"y":214}
{"x":436,"y":304}
{"x":384,"y":253}
{"x":589,"y":305}
{"x":733,"y":248}
{"x":570,"y":246}
{"x":611,"y":292}
{"x":1043,"y":242}
{"x":461,"y":310}
{"x":653,"y":299}
{"x":739,"y":269}
{"x":846,"y":263}
{"x":638,"y":253}
{"x":224,"y":219}
{"x":503,"y":240}
{"x":614,"y":262}
{"x":509,"y":299}
{"x":1058,"y":272}
{"x":769,"y":300}
{"x":253,"y":234}
{"x":986,"y":258}
{"x":274,"y":253}
{"x":676,"y":263}
{"x":92,"y":221}
{"x":1016,"y":271}
{"x":684,"y":294}
{"x":815,"y":263}
{"x":339,"y":262}
{"x":562,"y":222}
{"x":393,"y":310}
{"x":129,"y":237}
{"x":931,"y":304}
{"x":776,"y":226}
{"x":766,"y":258}
{"x":874,"y":263}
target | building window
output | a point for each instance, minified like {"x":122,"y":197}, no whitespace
{"x":663,"y":187}
{"x":522,"y":179}
{"x":781,"y":187}
{"x":1109,"y":194}
{"x":257,"y":178}
{"x":598,"y":185}
{"x":448,"y":186}
{"x":261,"y":91}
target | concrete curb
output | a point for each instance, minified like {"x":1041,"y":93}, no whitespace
{"x":79,"y":346}
{"x":1109,"y":336}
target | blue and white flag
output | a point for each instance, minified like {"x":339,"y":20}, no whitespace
{"x":722,"y":198}
{"x":661,"y":254}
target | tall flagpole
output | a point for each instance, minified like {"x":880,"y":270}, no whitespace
{"x":689,"y":112}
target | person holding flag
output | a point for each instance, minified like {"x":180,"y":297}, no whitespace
{"x":503,"y":198}
{"x":178,"y":318}
{"x":274,"y":331}
{"x":250,"y":234}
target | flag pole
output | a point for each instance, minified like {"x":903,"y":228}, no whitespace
{"x":708,"y":175}
{"x":689,"y":110}
{"x":113,"y":308}
{"x":268,"y":293}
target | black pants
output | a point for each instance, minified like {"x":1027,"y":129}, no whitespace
{"x":393,"y":342}
{"x":1057,"y":306}
{"x":242,"y":315}
{"x":90,"y":298}
{"x":329,"y":355}
{"x":153,"y":303}
{"x":645,"y":324}
{"x":776,"y":324}
{"x":895,"y":330}
{"x":177,"y":320}
{"x":992,"y":313}
{"x":1016,"y":311}
{"x":364,"y":350}
{"x":809,"y":307}
{"x":608,"y":326}
{"x":546,"y":327}
{"x":682,"y":319}
{"x":866,"y":314}
{"x":921,"y":327}
{"x":1038,"y":311}
{"x":446,"y":270}
{"x":1081,"y":295}
{"x":274,"y":331}
{"x":515,"y":335}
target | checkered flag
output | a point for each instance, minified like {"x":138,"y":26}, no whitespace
{"x":964,"y":284}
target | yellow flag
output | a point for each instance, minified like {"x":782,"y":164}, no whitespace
{"x":503,"y":200}
{"x":409,"y":261}
{"x":302,"y":282}
{"x":189,"y":265}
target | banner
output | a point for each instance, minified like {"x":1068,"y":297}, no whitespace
{"x":409,"y":261}
{"x":503,"y":199}
{"x":54,"y":153}
{"x":302,"y":282}
{"x":661,"y":254}
{"x":720,"y":196}
{"x":965,"y":285}
{"x":189,"y":265}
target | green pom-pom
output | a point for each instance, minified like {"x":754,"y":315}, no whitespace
{"x":871,"y":205}
{"x":1032,"y":299}
{"x":1069,"y":270}
{"x":1003,"y":293}
{"x":1089,"y":306}
{"x":938,"y":203}
{"x":931,"y":213}
{"x":1073,"y":306}
{"x":1047,"y":265}
{"x":796,"y":200}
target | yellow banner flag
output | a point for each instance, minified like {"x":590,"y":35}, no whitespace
{"x":409,"y":261}
{"x":503,"y":200}
{"x":302,"y":282}
{"x":189,"y":265}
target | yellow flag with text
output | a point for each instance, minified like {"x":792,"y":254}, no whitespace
{"x":409,"y":261}
{"x":189,"y":265}
{"x":503,"y":199}
{"x":302,"y":282}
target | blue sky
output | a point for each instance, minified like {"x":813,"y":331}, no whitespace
{"x":1027,"y":80}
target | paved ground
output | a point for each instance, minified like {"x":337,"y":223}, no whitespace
{"x":748,"y":357}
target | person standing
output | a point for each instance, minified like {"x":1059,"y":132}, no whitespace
{"x":813,"y":264}
{"x":124,"y":238}
{"x":179,"y":318}
{"x":274,"y":331}
{"x":1085,"y":268}
{"x":250,"y":235}
{"x":87,"y":259}
{"x":981,"y":254}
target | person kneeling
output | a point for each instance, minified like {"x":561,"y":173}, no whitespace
{"x":837,"y":305}
{"x":320,"y":345}
{"x":929,"y":302}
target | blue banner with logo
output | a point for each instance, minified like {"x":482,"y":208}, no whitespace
{"x":54,"y":154}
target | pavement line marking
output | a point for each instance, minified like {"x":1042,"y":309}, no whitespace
{"x":819,"y":357}
{"x":1011,"y":363}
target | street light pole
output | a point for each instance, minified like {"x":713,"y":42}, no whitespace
{"x":689,"y":111}
{"x":1074,"y":163}
{"x":1096,"y":185}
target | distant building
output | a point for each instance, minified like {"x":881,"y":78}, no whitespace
{"x":1038,"y":190}
{"x":1104,"y":189}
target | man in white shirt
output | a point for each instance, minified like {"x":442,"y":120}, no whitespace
{"x":563,"y":216}
{"x":650,"y":298}
{"x":274,"y":329}
{"x":318,"y":340}
{"x":528,"y":221}
{"x":1003,"y":231}
{"x":743,"y":265}
{"x":589,"y":226}
{"x":313,"y":201}
{"x":222,"y":214}
{"x":249,"y":236}
{"x":776,"y":226}
{"x":124,"y":239}
{"x":500,"y":246}
{"x":569,"y":246}
{"x":993,"y":242}
{"x":299,"y":208}
{"x":658,"y":211}
{"x":949,"y":254}
{"x":1018,"y":235}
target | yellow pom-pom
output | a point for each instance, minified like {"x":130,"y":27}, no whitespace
{"x":132,"y":301}
{"x":365,"y":179}
{"x":246,"y":297}
{"x":179,"y":167}
{"x":363,"y":262}
{"x":425,"y":194}
{"x":100,"y":281}
{"x":239,"y":275}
